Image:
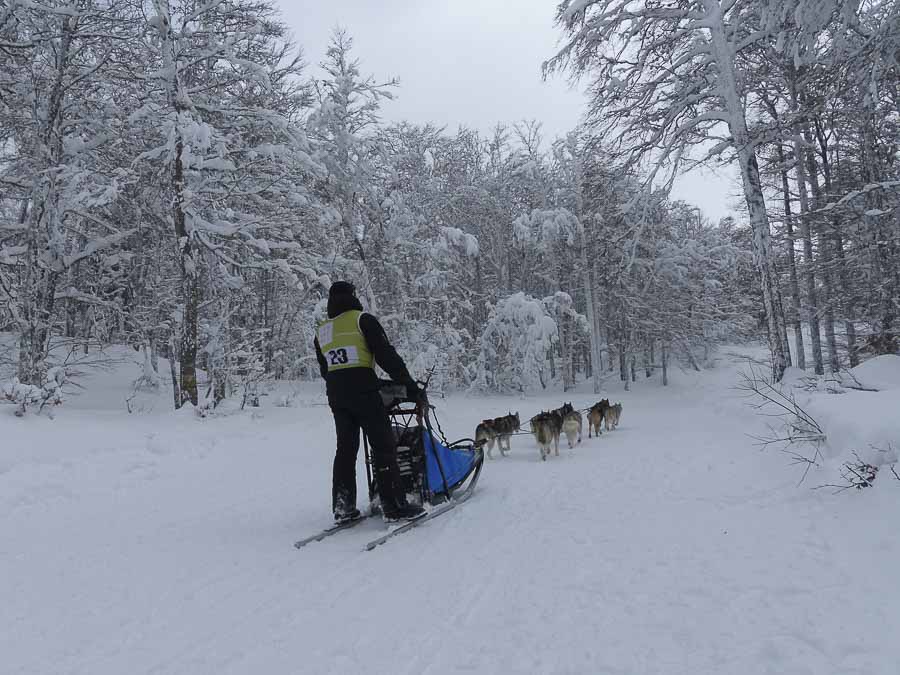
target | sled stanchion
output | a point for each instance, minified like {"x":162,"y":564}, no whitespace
{"x":370,"y":477}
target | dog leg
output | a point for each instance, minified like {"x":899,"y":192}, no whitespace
{"x":490,"y":447}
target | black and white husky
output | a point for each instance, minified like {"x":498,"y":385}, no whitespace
{"x":498,"y":430}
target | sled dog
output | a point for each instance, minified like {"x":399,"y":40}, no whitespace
{"x":564,"y":410}
{"x":596,"y":415}
{"x":546,"y":428}
{"x":498,"y":430}
{"x":613,"y":413}
{"x":572,"y":427}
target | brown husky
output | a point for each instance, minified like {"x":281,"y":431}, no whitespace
{"x":613,"y":413}
{"x":499,"y":429}
{"x":596,"y":415}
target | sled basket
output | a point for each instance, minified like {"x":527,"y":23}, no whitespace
{"x":432,"y":470}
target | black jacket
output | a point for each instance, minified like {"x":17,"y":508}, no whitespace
{"x":344,"y":384}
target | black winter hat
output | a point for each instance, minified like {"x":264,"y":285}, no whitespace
{"x":341,"y":288}
{"x":342,"y":298}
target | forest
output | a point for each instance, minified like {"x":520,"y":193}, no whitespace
{"x":177,"y":176}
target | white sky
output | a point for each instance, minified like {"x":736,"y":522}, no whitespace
{"x":469,"y":62}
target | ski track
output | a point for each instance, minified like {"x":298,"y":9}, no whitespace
{"x":162,"y":544}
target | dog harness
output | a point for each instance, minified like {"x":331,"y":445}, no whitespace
{"x":343,"y":343}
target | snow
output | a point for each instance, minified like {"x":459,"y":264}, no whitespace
{"x":881,"y":372}
{"x":162,"y":543}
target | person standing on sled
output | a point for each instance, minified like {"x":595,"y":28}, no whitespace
{"x":348,"y":345}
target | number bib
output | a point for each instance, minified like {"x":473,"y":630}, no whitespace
{"x":343,"y":356}
{"x":343,"y":344}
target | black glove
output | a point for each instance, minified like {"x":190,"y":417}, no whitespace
{"x":414,"y":392}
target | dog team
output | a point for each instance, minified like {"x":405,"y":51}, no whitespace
{"x":548,"y":426}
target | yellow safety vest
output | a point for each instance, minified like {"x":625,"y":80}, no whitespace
{"x":343,"y":344}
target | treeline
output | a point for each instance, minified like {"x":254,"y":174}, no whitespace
{"x":172,"y":177}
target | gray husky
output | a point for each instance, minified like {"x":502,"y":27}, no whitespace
{"x":499,"y":429}
{"x":613,"y":413}
{"x":546,"y":427}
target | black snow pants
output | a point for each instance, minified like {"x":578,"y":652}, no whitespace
{"x":364,"y":411}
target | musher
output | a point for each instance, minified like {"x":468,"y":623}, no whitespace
{"x":348,"y":345}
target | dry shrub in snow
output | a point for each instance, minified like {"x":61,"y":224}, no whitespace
{"x":798,"y":431}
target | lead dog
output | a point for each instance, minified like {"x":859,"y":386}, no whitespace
{"x":613,"y":413}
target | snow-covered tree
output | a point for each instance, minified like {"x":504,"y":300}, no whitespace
{"x":514,"y":347}
{"x":61,"y":125}
{"x":665,"y":79}
{"x":219,"y":126}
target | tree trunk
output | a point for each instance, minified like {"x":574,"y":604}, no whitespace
{"x":838,"y":259}
{"x":690,"y":354}
{"x":825,"y":262}
{"x":886,"y":274}
{"x":592,"y":313}
{"x":847,"y":308}
{"x":648,"y":359}
{"x":176,"y":391}
{"x":190,"y":291}
{"x":664,"y":359}
{"x":812,"y":300}
{"x":724,"y":54}
{"x":154,"y":352}
{"x":187,"y":259}
{"x":799,"y":349}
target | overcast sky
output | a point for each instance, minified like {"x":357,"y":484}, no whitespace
{"x":470,"y":62}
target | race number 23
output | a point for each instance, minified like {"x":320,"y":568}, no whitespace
{"x":338,"y":357}
{"x":342,"y":356}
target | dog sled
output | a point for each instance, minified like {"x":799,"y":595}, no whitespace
{"x":432,"y":470}
{"x":435,"y":474}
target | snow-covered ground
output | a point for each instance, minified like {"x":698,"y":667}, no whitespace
{"x":158,"y":542}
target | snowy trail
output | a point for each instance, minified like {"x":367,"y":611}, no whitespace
{"x":671,"y":545}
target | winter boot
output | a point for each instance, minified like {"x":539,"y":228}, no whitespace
{"x":404,"y":511}
{"x":342,"y":516}
{"x":344,"y":508}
